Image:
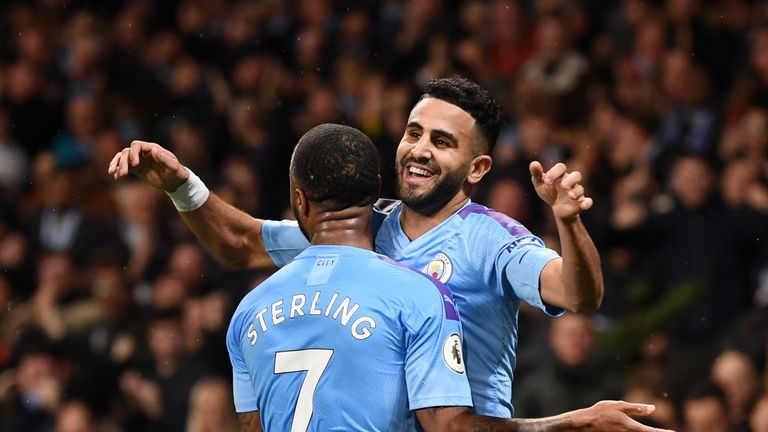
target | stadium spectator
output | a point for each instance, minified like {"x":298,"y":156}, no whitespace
{"x":211,"y":408}
{"x":705,"y":410}
{"x":573,"y":377}
{"x":758,"y":419}
{"x":736,"y":374}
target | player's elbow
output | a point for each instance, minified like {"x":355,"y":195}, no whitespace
{"x":587,"y":304}
{"x":583,"y":307}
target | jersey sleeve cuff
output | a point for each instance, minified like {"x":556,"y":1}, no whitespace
{"x":421,"y":403}
{"x":245,"y":407}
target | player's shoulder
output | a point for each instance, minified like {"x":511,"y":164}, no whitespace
{"x":483,"y":222}
{"x":414,"y":284}
{"x":399,"y":271}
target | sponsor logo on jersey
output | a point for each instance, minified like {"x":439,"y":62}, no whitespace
{"x":440,"y":268}
{"x":523,"y":241}
{"x":452,"y":355}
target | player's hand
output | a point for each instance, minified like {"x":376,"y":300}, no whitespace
{"x":151,"y":163}
{"x":614,"y":416}
{"x":560,"y":189}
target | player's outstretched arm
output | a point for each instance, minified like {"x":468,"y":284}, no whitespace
{"x":574,"y":283}
{"x":604,"y":416}
{"x":233,"y":236}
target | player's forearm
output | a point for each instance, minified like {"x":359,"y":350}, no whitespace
{"x":491,"y":424}
{"x":233,"y":236}
{"x":460,"y":419}
{"x":582,"y":276}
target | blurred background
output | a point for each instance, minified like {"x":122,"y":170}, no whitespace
{"x":112,"y":315}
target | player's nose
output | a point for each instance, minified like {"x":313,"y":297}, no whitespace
{"x":422,"y":149}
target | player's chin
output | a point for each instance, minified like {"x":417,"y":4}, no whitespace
{"x":416,"y":199}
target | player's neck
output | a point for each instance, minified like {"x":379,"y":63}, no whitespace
{"x":347,"y":227}
{"x":416,"y":224}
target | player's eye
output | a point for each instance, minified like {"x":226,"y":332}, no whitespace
{"x":414,"y":135}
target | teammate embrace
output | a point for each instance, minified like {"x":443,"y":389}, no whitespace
{"x":303,"y":372}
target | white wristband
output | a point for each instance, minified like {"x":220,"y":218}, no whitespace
{"x":191,"y":195}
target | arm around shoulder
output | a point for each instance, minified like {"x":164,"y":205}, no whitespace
{"x":233,"y":236}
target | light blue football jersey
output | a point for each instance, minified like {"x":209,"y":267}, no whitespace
{"x":489,"y":261}
{"x":346,"y":339}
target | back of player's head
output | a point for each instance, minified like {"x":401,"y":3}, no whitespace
{"x":473,"y":99}
{"x":336,"y":166}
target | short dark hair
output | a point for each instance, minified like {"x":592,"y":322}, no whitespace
{"x":337,"y":166}
{"x":473,"y":99}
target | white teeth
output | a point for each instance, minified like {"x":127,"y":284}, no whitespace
{"x":419,"y":171}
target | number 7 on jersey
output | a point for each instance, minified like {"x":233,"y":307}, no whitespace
{"x":314,"y":362}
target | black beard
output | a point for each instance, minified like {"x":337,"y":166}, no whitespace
{"x":434,"y":199}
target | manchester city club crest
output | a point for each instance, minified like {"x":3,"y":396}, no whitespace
{"x":440,"y":268}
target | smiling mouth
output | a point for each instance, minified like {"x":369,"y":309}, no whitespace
{"x":419,"y":172}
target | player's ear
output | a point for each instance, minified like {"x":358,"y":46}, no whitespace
{"x":480,"y":166}
{"x":300,"y":202}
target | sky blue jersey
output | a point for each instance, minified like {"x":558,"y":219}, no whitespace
{"x":346,"y":339}
{"x":489,"y":261}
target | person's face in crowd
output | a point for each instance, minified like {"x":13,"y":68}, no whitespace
{"x":759,"y":53}
{"x":631,"y":144}
{"x":535,"y":135}
{"x":212,"y":405}
{"x":168,"y":292}
{"x":83,"y":117}
{"x":753,"y":130}
{"x":22,"y":83}
{"x":74,"y":417}
{"x":60,"y":189}
{"x":705,"y":415}
{"x":692,"y":182}
{"x":675,"y":72}
{"x":682,"y":10}
{"x":437,"y":155}
{"x":36,"y":373}
{"x":551,"y":39}
{"x":650,"y":42}
{"x":735,"y":373}
{"x":572,"y":339}
{"x":736,"y":178}
{"x":187,"y":262}
{"x":508,"y":196}
{"x":56,"y":270}
{"x":165,"y":339}
{"x":758,"y":420}
{"x":111,"y":291}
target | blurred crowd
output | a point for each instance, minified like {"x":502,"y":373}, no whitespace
{"x":112,"y":315}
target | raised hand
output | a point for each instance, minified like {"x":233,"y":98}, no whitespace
{"x":560,"y":189}
{"x":150,"y":162}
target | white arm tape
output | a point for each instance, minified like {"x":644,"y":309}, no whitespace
{"x":191,"y":195}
